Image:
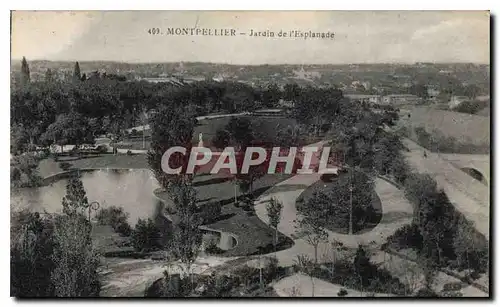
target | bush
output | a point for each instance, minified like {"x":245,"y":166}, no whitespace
{"x":146,"y":235}
{"x":425,"y":292}
{"x":210,"y":212}
{"x":129,"y":152}
{"x":407,"y":236}
{"x":64,"y":166}
{"x":213,"y":249}
{"x":124,"y":229}
{"x":342,"y":292}
{"x":116,"y":218}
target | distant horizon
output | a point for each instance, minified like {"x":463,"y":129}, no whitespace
{"x":237,"y":64}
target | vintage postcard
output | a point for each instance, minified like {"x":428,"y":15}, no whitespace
{"x":184,"y":154}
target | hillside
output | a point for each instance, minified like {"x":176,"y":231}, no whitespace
{"x":467,"y":128}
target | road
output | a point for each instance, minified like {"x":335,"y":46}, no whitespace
{"x":468,"y":195}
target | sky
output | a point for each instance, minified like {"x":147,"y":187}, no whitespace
{"x":360,"y":36}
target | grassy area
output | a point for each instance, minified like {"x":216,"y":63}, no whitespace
{"x":359,"y":227}
{"x":253,"y":234}
{"x":466,"y":128}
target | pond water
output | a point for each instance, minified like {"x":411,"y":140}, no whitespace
{"x":130,"y":189}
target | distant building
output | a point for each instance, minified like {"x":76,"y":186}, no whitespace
{"x":372,"y":99}
{"x":303,"y":74}
{"x":397,"y":99}
{"x":456,"y":100}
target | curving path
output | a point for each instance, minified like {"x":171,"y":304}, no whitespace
{"x":396,"y":209}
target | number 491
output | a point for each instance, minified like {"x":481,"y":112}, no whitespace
{"x":154,"y":31}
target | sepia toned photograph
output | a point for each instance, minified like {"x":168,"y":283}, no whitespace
{"x":250,"y":154}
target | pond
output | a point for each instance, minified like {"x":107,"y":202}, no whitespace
{"x":130,"y":189}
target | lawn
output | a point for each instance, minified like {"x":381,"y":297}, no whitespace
{"x":253,"y":234}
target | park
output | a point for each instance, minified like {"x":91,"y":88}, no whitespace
{"x":340,"y":211}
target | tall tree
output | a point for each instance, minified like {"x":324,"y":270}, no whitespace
{"x":75,"y":200}
{"x":187,"y":235}
{"x":170,"y":127}
{"x":312,"y":223}
{"x":71,"y":128}
{"x":25,"y":72}
{"x":274,"y":208}
{"x":75,"y":274}
{"x":77,"y":76}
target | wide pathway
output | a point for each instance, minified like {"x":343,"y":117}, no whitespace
{"x":468,"y":195}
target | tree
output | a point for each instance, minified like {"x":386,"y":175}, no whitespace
{"x":31,"y":255}
{"x":291,"y":91}
{"x":146,"y":235}
{"x":336,"y":206}
{"x":288,"y":136}
{"x":221,"y":139}
{"x":317,"y":107}
{"x":75,"y":274}
{"x":75,"y":200}
{"x":241,"y":131}
{"x":170,"y":127}
{"x":19,"y":139}
{"x":77,"y":76}
{"x":271,"y":95}
{"x":71,"y":128}
{"x":470,"y":247}
{"x":187,"y":235}
{"x":307,"y":267}
{"x":274,"y":208}
{"x":386,"y":150}
{"x":312,"y":223}
{"x":362,"y":266}
{"x":25,"y":72}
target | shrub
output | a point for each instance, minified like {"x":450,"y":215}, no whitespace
{"x":146,"y":235}
{"x":116,"y":218}
{"x":213,"y":249}
{"x":133,"y":132}
{"x":342,"y":292}
{"x":64,"y":166}
{"x":124,"y":229}
{"x":129,"y":152}
{"x":210,"y":212}
{"x":112,"y":216}
{"x":425,"y":292}
{"x":407,"y":236}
